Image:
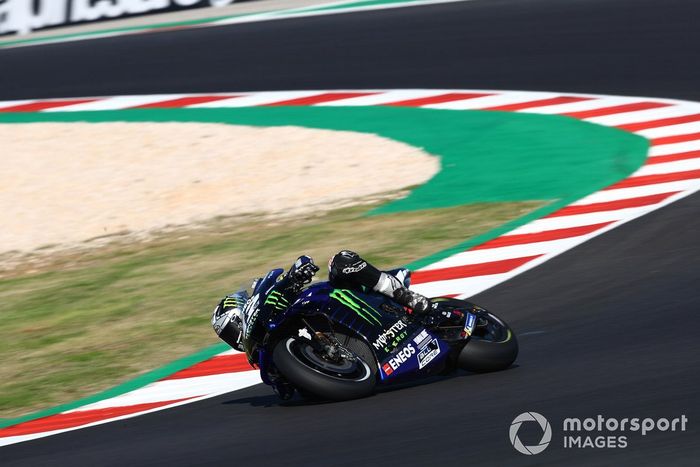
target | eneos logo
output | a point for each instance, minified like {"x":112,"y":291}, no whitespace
{"x":401,"y":357}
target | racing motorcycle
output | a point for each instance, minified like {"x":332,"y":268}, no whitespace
{"x":340,"y":344}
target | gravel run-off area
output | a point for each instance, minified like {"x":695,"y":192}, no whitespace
{"x":65,"y":184}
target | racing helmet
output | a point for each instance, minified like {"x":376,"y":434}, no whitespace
{"x":227,"y":319}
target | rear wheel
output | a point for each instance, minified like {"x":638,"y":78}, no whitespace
{"x":315,"y":374}
{"x":492,"y":346}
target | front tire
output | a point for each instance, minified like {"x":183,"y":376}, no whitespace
{"x":492,"y":346}
{"x":306,"y":370}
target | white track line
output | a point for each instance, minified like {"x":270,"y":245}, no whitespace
{"x":636,"y":192}
{"x":674,"y":148}
{"x":115,"y":103}
{"x":647,"y":115}
{"x":495,"y":100}
{"x":669,"y":167}
{"x":6,"y":104}
{"x":670,"y":130}
{"x":173,"y":389}
{"x":383,"y":98}
{"x":506,"y":252}
{"x":252,"y":100}
{"x":593,"y":104}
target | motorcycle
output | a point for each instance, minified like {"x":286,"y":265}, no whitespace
{"x":340,"y":344}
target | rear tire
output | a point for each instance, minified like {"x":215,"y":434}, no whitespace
{"x":306,"y":371}
{"x":491,"y":348}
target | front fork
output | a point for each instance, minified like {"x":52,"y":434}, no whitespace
{"x":322,"y":343}
{"x":269,"y":376}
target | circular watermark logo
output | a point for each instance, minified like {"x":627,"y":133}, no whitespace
{"x":546,"y":433}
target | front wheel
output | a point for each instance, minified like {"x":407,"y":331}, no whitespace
{"x":310,"y":372}
{"x":492,"y":346}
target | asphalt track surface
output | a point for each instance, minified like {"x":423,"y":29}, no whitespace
{"x":609,"y":327}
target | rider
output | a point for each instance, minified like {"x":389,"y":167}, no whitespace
{"x":346,"y":270}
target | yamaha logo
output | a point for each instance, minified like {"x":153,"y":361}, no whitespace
{"x":546,"y":433}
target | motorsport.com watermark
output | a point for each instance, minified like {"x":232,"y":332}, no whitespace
{"x":597,"y":433}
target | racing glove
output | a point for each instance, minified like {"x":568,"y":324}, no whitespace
{"x":410,"y":299}
{"x":303,"y":270}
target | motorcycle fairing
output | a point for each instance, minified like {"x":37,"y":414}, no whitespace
{"x":398,"y":344}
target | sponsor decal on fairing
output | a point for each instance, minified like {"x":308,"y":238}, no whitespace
{"x":250,"y":314}
{"x":421,"y":338}
{"x":428,"y":353}
{"x":391,"y":337}
{"x":469,"y":324}
{"x":401,"y":357}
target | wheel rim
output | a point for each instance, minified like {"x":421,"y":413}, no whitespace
{"x":344,"y":369}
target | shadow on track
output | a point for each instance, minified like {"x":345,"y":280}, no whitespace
{"x":303,"y":401}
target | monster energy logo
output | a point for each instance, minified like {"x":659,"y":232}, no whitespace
{"x":277,"y":300}
{"x":350,"y":300}
{"x":234,"y":301}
